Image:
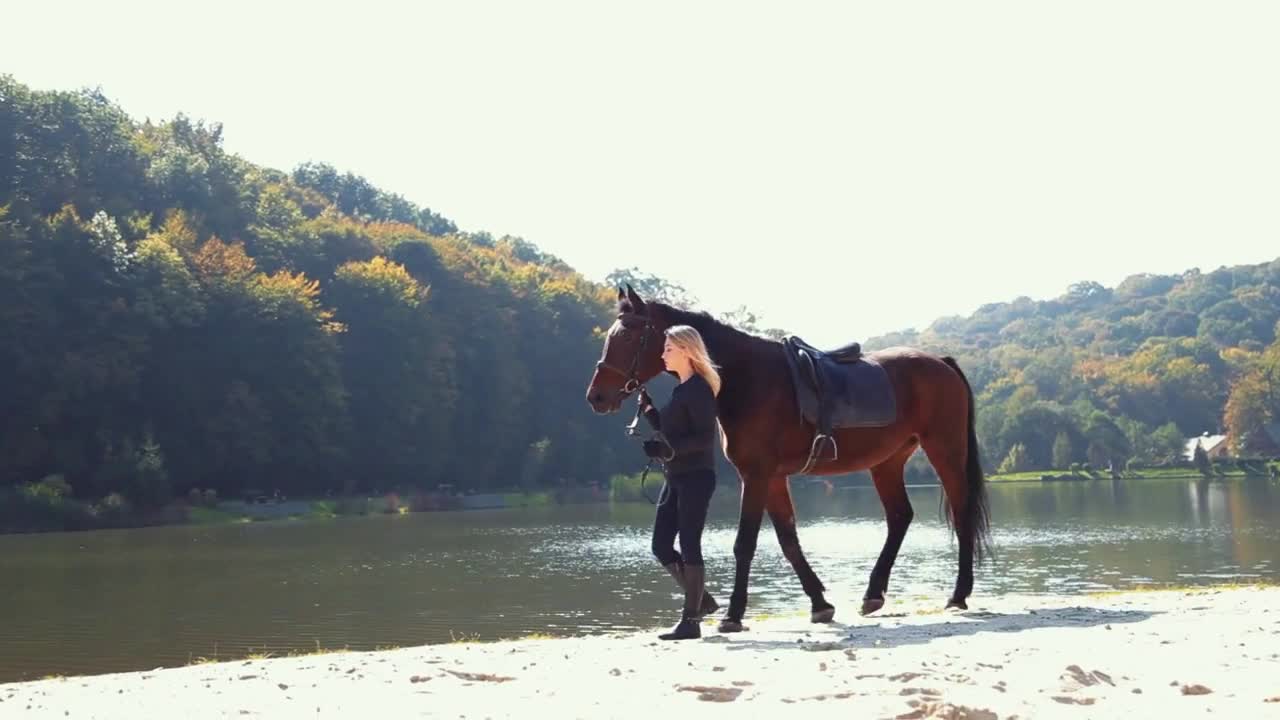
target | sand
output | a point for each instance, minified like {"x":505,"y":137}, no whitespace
{"x":1160,"y":654}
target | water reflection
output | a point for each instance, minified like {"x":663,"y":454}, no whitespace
{"x":119,"y":600}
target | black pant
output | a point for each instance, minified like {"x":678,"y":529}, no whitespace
{"x":682,"y":510}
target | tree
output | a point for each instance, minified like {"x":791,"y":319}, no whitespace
{"x":526,"y":251}
{"x":1183,"y":380}
{"x":396,"y":374}
{"x":1254,"y":403}
{"x":275,"y":231}
{"x":1087,"y":292}
{"x":1167,"y":443}
{"x":1062,"y":451}
{"x":354,"y":196}
{"x":742,"y":319}
{"x":651,"y":286}
{"x":1201,"y":460}
{"x":1108,"y":444}
{"x":1031,"y":426}
{"x":1017,"y":460}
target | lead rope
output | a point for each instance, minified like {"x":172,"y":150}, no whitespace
{"x":661,"y":499}
{"x":663,"y":495}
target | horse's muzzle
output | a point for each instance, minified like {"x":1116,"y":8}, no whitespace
{"x":603,"y":402}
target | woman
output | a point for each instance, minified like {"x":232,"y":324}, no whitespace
{"x":689,"y":425}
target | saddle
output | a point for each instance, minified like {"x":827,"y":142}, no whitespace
{"x":843,"y":354}
{"x":838,"y":388}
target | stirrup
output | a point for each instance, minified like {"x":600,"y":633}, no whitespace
{"x":813,"y":451}
{"x":835,"y":451}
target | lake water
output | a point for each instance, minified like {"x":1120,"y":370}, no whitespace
{"x":84,"y":603}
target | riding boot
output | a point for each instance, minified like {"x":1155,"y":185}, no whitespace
{"x":709,"y":605}
{"x":689,"y":629}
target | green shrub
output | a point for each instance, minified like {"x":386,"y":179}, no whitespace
{"x":43,"y":506}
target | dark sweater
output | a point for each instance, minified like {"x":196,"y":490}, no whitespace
{"x":688,"y":422}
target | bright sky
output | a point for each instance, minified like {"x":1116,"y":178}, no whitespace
{"x":844,"y":169}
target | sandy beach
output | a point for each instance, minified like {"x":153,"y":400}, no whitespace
{"x":1159,"y":654}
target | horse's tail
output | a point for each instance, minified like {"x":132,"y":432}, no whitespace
{"x":977,"y":513}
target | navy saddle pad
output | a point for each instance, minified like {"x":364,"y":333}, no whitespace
{"x":855,"y":389}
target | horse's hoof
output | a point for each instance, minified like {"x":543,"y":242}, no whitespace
{"x":825,"y":615}
{"x":957,"y":604}
{"x":731,"y":626}
{"x":870,"y":605}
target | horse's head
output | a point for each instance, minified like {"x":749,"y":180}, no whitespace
{"x":631,"y":357}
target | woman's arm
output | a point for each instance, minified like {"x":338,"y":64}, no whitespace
{"x":649,"y":412}
{"x":698,"y":429}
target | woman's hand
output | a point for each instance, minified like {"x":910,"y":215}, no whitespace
{"x":647,"y":409}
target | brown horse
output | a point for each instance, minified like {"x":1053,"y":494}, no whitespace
{"x":766,"y":440}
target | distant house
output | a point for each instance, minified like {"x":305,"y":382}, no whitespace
{"x":1215,"y":446}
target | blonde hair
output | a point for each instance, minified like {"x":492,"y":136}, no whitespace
{"x":690,"y":340}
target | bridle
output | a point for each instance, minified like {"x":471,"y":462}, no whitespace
{"x":632,"y":383}
{"x":630,"y":375}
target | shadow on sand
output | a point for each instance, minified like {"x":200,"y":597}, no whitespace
{"x":839,"y":635}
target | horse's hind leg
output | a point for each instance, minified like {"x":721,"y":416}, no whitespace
{"x":948,"y":454}
{"x":782,"y":513}
{"x":892,"y":489}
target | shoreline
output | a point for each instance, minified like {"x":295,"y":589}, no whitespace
{"x":326,"y":508}
{"x":1144,"y":653}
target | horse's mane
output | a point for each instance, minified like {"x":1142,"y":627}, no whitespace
{"x":712,"y":330}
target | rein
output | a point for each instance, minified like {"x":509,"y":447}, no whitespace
{"x":632,"y":431}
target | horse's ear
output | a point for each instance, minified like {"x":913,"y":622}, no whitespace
{"x":621,"y":295}
{"x":637,"y":305}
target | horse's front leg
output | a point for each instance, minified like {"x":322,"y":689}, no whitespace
{"x":750,"y":514}
{"x":782,"y":513}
